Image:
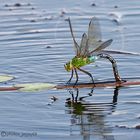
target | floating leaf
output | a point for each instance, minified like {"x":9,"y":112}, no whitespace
{"x":35,"y":86}
{"x":4,"y":78}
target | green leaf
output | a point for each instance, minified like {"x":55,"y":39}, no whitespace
{"x":35,"y":86}
{"x":4,"y":78}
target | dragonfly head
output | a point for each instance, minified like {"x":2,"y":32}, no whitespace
{"x":68,"y":66}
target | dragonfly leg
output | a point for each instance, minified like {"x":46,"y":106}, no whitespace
{"x":90,"y":75}
{"x":70,"y":77}
{"x":114,"y":66}
{"x":77,"y":78}
{"x":77,"y":94}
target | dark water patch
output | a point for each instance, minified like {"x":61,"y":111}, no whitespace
{"x":93,"y":4}
{"x":17,"y":5}
{"x":127,"y":127}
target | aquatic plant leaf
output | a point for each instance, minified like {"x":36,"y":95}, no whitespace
{"x":4,"y":78}
{"x":31,"y":87}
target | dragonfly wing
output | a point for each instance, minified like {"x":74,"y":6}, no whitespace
{"x":102,"y":46}
{"x":83,"y":44}
{"x":76,"y":46}
{"x":119,"y":52}
{"x":94,"y":34}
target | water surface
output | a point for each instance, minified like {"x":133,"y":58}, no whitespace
{"x":35,"y":43}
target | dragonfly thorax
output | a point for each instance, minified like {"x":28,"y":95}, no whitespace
{"x":78,"y":62}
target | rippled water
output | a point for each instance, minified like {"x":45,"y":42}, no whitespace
{"x":35,"y":43}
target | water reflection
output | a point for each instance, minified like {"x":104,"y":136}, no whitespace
{"x":87,"y":118}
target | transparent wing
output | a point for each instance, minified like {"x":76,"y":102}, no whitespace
{"x":83,"y":45}
{"x":94,"y":34}
{"x":76,"y":46}
{"x":93,"y":40}
{"x":101,"y":47}
{"x":120,"y":52}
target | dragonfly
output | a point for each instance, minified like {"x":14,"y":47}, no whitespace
{"x":90,"y":49}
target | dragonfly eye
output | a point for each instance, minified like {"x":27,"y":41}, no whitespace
{"x":67,"y":67}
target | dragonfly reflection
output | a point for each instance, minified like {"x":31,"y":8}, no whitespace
{"x":90,"y":117}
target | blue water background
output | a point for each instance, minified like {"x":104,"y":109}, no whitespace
{"x":35,"y":43}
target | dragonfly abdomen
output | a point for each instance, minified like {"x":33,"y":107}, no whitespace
{"x":93,"y":58}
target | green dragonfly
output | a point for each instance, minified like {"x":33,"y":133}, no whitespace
{"x":90,"y":49}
